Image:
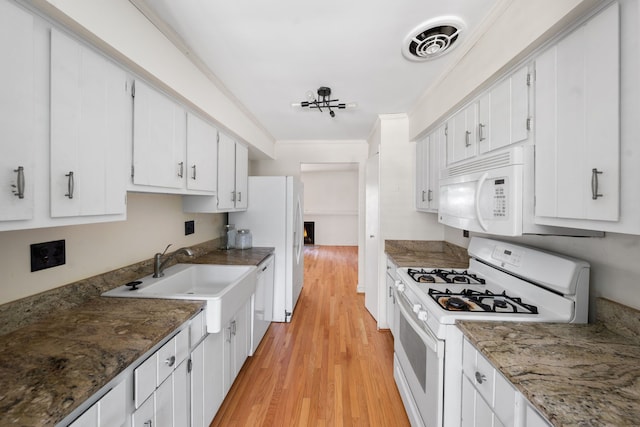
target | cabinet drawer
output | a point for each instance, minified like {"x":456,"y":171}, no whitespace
{"x":196,"y":329}
{"x":113,"y":406}
{"x":479,"y":371}
{"x":505,"y":400}
{"x":144,"y":379}
{"x":172,"y":354}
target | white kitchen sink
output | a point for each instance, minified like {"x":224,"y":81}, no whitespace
{"x":225,"y":288}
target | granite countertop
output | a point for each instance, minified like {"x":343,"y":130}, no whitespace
{"x":575,"y":375}
{"x":426,"y":253}
{"x":55,"y":355}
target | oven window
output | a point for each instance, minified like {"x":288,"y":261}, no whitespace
{"x":415,"y":350}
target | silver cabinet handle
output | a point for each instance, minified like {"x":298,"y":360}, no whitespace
{"x":19,"y":187}
{"x":480,"y":378}
{"x":194,"y":172}
{"x":180,"y":169}
{"x":430,"y":195}
{"x":467,"y":139}
{"x":594,"y":183}
{"x":233,"y":196}
{"x":234,"y":329}
{"x":481,"y":136}
{"x":70,"y":185}
{"x":148,"y":423}
{"x":239,"y":196}
{"x":423,"y":192}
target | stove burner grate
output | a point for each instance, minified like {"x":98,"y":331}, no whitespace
{"x":439,"y":275}
{"x":485,"y":301}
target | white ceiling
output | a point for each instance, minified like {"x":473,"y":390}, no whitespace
{"x":269,"y":54}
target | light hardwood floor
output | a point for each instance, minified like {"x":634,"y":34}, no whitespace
{"x":328,"y":367}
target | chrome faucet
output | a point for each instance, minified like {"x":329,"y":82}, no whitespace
{"x":159,"y":264}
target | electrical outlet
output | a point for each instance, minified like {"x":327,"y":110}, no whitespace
{"x":47,"y":255}
{"x":189,"y":227}
{"x":465,"y":233}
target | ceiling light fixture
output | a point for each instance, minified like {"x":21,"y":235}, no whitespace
{"x":324,"y":101}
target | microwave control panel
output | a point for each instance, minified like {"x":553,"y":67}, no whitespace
{"x":500,"y":201}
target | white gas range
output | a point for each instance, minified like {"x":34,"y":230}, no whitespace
{"x":504,"y":282}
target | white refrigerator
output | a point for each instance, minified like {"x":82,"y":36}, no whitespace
{"x":275,"y":218}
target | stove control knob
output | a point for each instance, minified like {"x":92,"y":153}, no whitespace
{"x":416,"y":308}
{"x":422,"y":315}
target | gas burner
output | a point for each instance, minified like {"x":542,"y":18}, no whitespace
{"x":486,"y":301}
{"x":438,"y":275}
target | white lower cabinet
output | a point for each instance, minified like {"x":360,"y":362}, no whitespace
{"x":109,"y":411}
{"x":488,"y":399}
{"x":236,"y":345}
{"x":206,"y":389}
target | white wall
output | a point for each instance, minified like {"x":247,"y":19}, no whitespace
{"x":153,"y":221}
{"x":331,"y":201}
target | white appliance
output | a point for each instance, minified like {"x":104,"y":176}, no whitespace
{"x":262,"y":303}
{"x":494,"y":194}
{"x":274,"y":216}
{"x":504,"y":282}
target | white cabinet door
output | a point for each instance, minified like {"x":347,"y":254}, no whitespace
{"x":89,"y":131}
{"x":197,"y":386}
{"x":202,"y":154}
{"x":144,"y":416}
{"x":461,"y":134}
{"x":429,"y":162}
{"x":236,"y":345}
{"x":242,"y":176}
{"x":422,"y":174}
{"x":226,"y":172}
{"x":164,"y":404}
{"x":577,"y":108}
{"x":213,"y":387}
{"x":233,"y":166}
{"x":503,"y":112}
{"x":16,"y":113}
{"x":159,"y":139}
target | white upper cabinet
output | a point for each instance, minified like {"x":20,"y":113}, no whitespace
{"x":429,"y":161}
{"x":462,"y":135}
{"x":89,"y":131}
{"x":159,"y":139}
{"x":202,"y":154}
{"x":503,"y":112}
{"x":16,"y":113}
{"x":233,"y":164}
{"x":577,"y":113}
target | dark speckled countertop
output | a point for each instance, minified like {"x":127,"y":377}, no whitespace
{"x":59,"y":348}
{"x":575,"y":375}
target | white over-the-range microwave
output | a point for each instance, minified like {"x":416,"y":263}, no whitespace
{"x":494,"y":194}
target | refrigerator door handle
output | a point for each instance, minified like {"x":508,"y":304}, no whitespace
{"x":298,"y":233}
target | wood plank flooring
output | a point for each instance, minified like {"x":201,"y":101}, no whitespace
{"x":328,"y":367}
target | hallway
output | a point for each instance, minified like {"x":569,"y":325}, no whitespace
{"x":328,"y":367}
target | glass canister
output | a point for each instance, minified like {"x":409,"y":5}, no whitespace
{"x":229,"y":236}
{"x":244,"y":239}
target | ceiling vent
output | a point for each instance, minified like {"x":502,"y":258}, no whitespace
{"x":432,"y":39}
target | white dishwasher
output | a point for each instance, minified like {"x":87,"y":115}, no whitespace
{"x":262,"y":302}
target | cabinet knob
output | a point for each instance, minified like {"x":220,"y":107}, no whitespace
{"x":480,"y":378}
{"x":170,"y":361}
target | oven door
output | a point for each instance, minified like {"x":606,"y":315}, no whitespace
{"x":420,"y":358}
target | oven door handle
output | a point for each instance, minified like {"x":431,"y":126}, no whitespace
{"x":427,"y":336}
